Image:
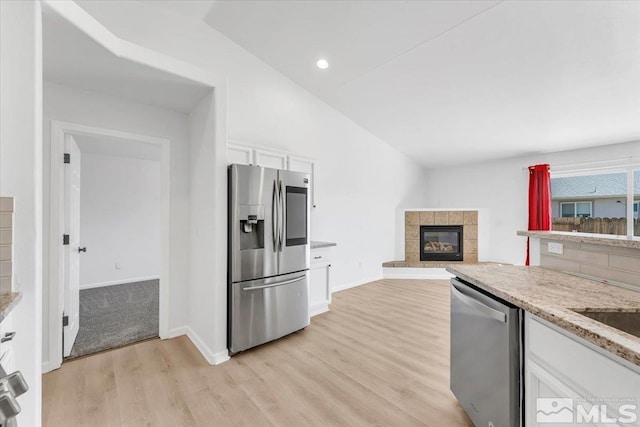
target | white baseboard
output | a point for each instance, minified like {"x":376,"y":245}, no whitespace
{"x":213,"y":358}
{"x":118,"y":282}
{"x":318,"y":309}
{"x":350,"y":285}
{"x":48,"y":367}
{"x":416,"y":273}
{"x":177,"y":332}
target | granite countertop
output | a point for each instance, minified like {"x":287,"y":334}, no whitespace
{"x":318,"y":245}
{"x":8,"y":302}
{"x":594,"y":239}
{"x":552,"y":295}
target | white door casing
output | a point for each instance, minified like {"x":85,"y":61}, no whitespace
{"x":71,"y":251}
{"x":58,"y":227}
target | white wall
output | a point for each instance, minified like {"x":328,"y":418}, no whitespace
{"x":208,"y":280}
{"x":360,"y":180}
{"x":610,"y":208}
{"x":90,"y":108}
{"x":21,"y":177}
{"x":501,"y":187}
{"x":119,"y":219}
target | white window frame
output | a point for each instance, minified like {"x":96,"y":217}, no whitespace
{"x":628,"y":166}
{"x":575,"y":208}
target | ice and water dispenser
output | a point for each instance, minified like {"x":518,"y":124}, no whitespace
{"x":251,"y":227}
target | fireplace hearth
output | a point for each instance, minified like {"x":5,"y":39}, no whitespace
{"x":441,"y":243}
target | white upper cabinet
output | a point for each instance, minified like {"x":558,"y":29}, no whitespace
{"x":270,"y":159}
{"x":300,"y":164}
{"x":305,"y":165}
{"x":248,"y":155}
{"x":239,"y":154}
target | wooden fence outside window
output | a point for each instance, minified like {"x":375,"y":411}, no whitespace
{"x":595,"y":225}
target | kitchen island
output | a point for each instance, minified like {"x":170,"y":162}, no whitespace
{"x":565,"y":353}
{"x":555,"y":297}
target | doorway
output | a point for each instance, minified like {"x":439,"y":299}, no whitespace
{"x":110,"y":190}
{"x":189,"y":107}
{"x":112,"y":259}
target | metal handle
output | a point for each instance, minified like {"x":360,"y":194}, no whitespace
{"x":274,"y":217}
{"x":273,"y":285}
{"x":14,"y":383}
{"x":9,"y":406}
{"x":478,"y":306}
{"x":282,"y":218}
{"x":82,"y":249}
{"x":317,"y":257}
{"x":7,"y":337}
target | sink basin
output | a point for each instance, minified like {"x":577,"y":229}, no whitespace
{"x":628,"y":322}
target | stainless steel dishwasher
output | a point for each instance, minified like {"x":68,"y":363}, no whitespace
{"x":486,"y":356}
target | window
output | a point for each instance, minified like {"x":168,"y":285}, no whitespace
{"x":596,"y":201}
{"x":574,"y":209}
{"x":636,"y":203}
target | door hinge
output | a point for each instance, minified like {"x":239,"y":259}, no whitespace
{"x":65,"y":321}
{"x":65,"y":239}
{"x":67,"y":158}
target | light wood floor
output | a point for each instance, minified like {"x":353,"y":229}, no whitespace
{"x":379,"y":357}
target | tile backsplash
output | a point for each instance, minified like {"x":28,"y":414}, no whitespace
{"x":607,"y":262}
{"x":6,"y":244}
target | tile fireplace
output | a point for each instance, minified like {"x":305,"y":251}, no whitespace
{"x":414,"y":239}
{"x":441,"y":243}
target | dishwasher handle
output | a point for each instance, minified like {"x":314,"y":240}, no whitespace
{"x":478,"y":306}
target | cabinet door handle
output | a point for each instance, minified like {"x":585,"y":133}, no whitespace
{"x":317,"y":257}
{"x":7,"y":337}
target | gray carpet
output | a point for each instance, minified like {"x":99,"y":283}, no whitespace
{"x":113,"y":316}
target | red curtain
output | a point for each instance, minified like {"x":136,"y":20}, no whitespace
{"x":539,"y":200}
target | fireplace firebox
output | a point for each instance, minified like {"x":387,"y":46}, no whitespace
{"x":441,"y":243}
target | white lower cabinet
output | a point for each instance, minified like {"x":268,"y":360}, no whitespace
{"x":569,"y":381}
{"x":320,"y":283}
{"x":6,"y":348}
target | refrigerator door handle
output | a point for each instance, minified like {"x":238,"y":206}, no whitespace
{"x":274,"y":217}
{"x":273,"y":285}
{"x":282,"y":220}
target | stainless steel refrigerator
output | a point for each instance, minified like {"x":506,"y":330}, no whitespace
{"x":268,"y":271}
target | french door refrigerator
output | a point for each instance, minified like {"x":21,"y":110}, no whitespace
{"x":268,"y":271}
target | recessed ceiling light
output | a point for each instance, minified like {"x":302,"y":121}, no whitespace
{"x":323,"y":64}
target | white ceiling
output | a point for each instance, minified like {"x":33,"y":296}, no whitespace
{"x":117,"y":147}
{"x":72,"y":58}
{"x":455,"y":81}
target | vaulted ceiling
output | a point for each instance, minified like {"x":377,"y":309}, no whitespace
{"x":71,"y":57}
{"x":454,"y":81}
